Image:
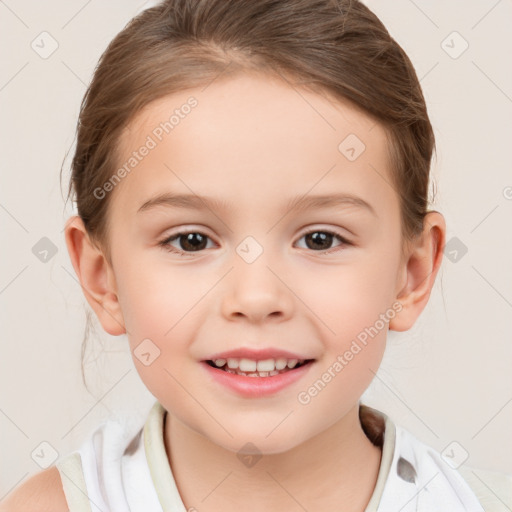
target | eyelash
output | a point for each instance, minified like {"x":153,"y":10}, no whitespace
{"x":165,"y":243}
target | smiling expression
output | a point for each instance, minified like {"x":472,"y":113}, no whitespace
{"x":246,"y":227}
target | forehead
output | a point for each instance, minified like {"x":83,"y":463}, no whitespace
{"x":249,"y":136}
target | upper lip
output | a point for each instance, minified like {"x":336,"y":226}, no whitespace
{"x":256,"y":354}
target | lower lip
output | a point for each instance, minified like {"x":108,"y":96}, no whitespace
{"x":255,"y":387}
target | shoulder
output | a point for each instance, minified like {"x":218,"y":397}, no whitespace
{"x":465,"y":485}
{"x":492,"y":488}
{"x":42,"y":492}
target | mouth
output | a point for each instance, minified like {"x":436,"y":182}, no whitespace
{"x":264,"y":368}
{"x":257,"y":378}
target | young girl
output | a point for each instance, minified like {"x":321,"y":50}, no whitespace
{"x":251,"y":179}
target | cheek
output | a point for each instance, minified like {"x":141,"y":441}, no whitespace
{"x":353,"y":303}
{"x":160,"y":317}
{"x":153,"y":299}
{"x":347,"y":298}
{"x":156,"y":320}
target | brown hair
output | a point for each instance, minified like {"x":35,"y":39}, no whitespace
{"x":334,"y":47}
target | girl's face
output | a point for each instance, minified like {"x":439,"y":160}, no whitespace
{"x":254,"y":272}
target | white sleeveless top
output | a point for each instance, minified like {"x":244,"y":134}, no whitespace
{"x":121,"y":468}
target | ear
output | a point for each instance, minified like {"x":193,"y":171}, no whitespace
{"x":95,"y":275}
{"x":424,"y":258}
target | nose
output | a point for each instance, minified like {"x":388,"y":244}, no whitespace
{"x":256,"y":292}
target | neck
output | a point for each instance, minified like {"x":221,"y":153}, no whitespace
{"x":338,"y":466}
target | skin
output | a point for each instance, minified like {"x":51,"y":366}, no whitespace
{"x":256,"y":143}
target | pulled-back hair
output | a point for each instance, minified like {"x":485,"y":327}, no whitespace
{"x":337,"y":47}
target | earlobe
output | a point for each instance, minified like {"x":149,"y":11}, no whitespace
{"x":421,"y":267}
{"x":95,"y":275}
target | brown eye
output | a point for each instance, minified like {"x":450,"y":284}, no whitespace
{"x":322,"y":240}
{"x":192,"y":241}
{"x":187,"y":242}
{"x":319,"y":240}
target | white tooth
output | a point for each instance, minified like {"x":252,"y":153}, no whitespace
{"x":274,"y":372}
{"x":247,"y":365}
{"x":252,"y":375}
{"x":232,"y":362}
{"x":280,"y":363}
{"x":266,"y":365}
{"x":220,"y":362}
{"x":263,"y":374}
{"x":292,"y":363}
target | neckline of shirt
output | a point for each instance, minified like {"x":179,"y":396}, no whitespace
{"x":377,"y":426}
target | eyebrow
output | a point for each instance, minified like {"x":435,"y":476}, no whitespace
{"x":308,"y":202}
{"x":297,"y":204}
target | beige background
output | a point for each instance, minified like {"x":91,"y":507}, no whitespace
{"x":446,"y":380}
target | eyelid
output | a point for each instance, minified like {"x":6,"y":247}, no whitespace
{"x":344,"y":241}
{"x":184,"y":230}
{"x":304,"y":231}
{"x":338,"y":231}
